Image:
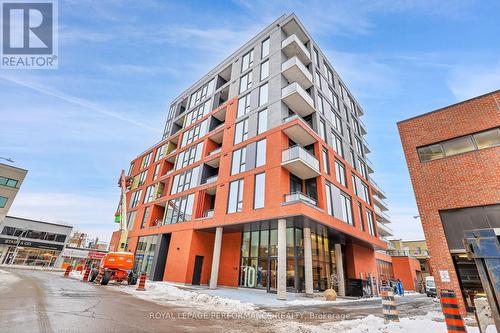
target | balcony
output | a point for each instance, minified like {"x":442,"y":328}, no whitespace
{"x":297,"y":99}
{"x":208,"y":213}
{"x":380,"y":203}
{"x":293,"y":47}
{"x":298,"y":132}
{"x":295,"y":71}
{"x":209,"y":180}
{"x":369,"y":165}
{"x":378,"y":190}
{"x":300,"y":162}
{"x":384,"y":230}
{"x":382,"y":216}
{"x":300,"y":197}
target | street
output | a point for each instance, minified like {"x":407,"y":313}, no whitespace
{"x":43,"y":301}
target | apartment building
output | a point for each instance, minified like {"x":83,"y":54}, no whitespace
{"x":11,"y":179}
{"x":453,"y":156}
{"x":261,"y":179}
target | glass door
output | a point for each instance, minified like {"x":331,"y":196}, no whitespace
{"x":272,"y":276}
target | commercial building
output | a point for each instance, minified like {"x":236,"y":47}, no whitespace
{"x":453,"y":156}
{"x":413,"y":248}
{"x":261,"y":179}
{"x":11,"y":179}
{"x":30,"y":242}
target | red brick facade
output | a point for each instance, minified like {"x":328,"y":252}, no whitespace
{"x":464,"y":180}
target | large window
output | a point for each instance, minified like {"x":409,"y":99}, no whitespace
{"x":136,"y":196}
{"x":337,"y":144}
{"x":145,"y":217}
{"x":185,"y":180}
{"x":326,"y":162}
{"x":262,"y":122}
{"x":369,"y":221}
{"x":8,"y":182}
{"x":195,"y":132}
{"x":202,"y":93}
{"x":241,"y":131}
{"x":145,"y":160}
{"x":197,"y":113}
{"x":340,"y":172}
{"x":239,"y":161}
{"x":247,"y":61}
{"x":322,"y":130}
{"x":264,"y":70}
{"x":259,"y":191}
{"x":337,"y":122}
{"x":264,"y":48}
{"x":3,"y":201}
{"x":260,"y":156}
{"x":245,"y":82}
{"x":235,"y":202}
{"x":346,"y":207}
{"x":329,"y":199}
{"x":179,"y":209}
{"x":243,"y":105}
{"x":263,"y":94}
{"x":189,"y":156}
{"x":144,"y":253}
{"x":320,"y":105}
{"x":480,"y":140}
{"x":149,"y":195}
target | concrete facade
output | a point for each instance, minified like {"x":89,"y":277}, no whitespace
{"x":11,"y":179}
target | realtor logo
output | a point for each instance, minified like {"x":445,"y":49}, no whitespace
{"x":29,"y":34}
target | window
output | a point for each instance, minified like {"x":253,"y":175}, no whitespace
{"x":265,"y":48}
{"x":148,"y":196}
{"x":317,"y":78}
{"x":142,"y":178}
{"x":335,"y":100}
{"x":241,"y":131}
{"x":3,"y":201}
{"x":340,"y":173}
{"x":131,"y":219}
{"x":131,"y":168}
{"x":157,"y":171}
{"x":330,"y":95}
{"x":360,"y":212}
{"x":316,"y":57}
{"x":136,"y":196}
{"x":337,"y":122}
{"x":365,"y":193}
{"x":329,"y":74}
{"x":185,"y":180}
{"x":359,"y":146}
{"x":481,"y":140}
{"x":262,"y":122}
{"x":145,"y":217}
{"x":346,"y":207}
{"x":349,"y":135}
{"x":487,"y":139}
{"x":326,"y":163}
{"x":264,"y":70}
{"x":159,"y":153}
{"x":458,"y":146}
{"x":329,"y":199}
{"x":322,"y":130}
{"x":199,"y":95}
{"x":369,"y":220}
{"x":320,"y":105}
{"x":263,"y":94}
{"x":362,"y":168}
{"x":198,"y":113}
{"x":145,"y":160}
{"x":179,"y":209}
{"x":245,"y":82}
{"x":247,"y":61}
{"x":337,"y":144}
{"x":239,"y":161}
{"x":259,"y":191}
{"x":195,"y":132}
{"x":189,"y":156}
{"x":260,"y":156}
{"x":8,"y":182}
{"x":243,"y":105}
{"x":235,"y":202}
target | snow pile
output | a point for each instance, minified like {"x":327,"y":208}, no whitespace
{"x":322,"y":301}
{"x":164,"y":293}
{"x":7,"y":278}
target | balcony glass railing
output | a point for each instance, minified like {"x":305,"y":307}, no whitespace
{"x":215,"y":151}
{"x":299,"y":196}
{"x":296,"y":116}
{"x":208,"y":213}
{"x":210,"y":179}
{"x":297,"y":152}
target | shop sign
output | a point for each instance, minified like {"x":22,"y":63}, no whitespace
{"x":74,"y":253}
{"x":445,"y":276}
{"x":27,"y":243}
{"x":96,"y":255}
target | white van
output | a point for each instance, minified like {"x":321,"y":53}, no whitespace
{"x":430,"y":286}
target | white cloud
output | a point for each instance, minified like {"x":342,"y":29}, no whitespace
{"x":474,"y":80}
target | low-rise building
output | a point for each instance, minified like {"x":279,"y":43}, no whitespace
{"x":11,"y":179}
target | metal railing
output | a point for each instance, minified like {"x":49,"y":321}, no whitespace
{"x":299,"y":196}
{"x":297,"y":152}
{"x":210,"y":179}
{"x":296,"y":116}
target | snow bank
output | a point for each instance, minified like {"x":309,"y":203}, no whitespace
{"x":312,"y":302}
{"x":7,"y":278}
{"x":165,"y":293}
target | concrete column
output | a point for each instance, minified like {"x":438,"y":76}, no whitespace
{"x":308,"y":262}
{"x":281,"y":259}
{"x":216,"y":258}
{"x":340,"y":269}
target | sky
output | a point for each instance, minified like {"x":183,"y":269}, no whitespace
{"x":122,"y":62}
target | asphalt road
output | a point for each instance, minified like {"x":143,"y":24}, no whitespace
{"x":46,"y":302}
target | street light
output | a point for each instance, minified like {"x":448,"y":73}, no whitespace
{"x":17,"y":245}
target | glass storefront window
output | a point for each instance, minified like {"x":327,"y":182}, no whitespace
{"x":144,"y":253}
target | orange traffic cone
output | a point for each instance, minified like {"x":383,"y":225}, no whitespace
{"x":142,"y":282}
{"x":86,"y":275}
{"x":66,"y":272}
{"x":452,"y":316}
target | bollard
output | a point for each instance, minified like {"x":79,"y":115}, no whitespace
{"x":66,"y":272}
{"x":99,"y":276}
{"x":142,"y":282}
{"x":452,"y":316}
{"x":389,"y":304}
{"x":86,"y":275}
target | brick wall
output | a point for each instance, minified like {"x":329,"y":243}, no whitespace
{"x":465,"y":180}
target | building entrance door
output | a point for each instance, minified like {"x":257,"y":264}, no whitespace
{"x":198,"y":264}
{"x":272,"y":276}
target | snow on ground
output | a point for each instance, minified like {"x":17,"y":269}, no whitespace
{"x":7,"y":278}
{"x":34,"y":268}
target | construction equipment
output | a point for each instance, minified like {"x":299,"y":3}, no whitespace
{"x":121,"y":215}
{"x":483,"y":245}
{"x":116,"y":266}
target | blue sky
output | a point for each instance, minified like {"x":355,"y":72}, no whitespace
{"x":122,"y":62}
